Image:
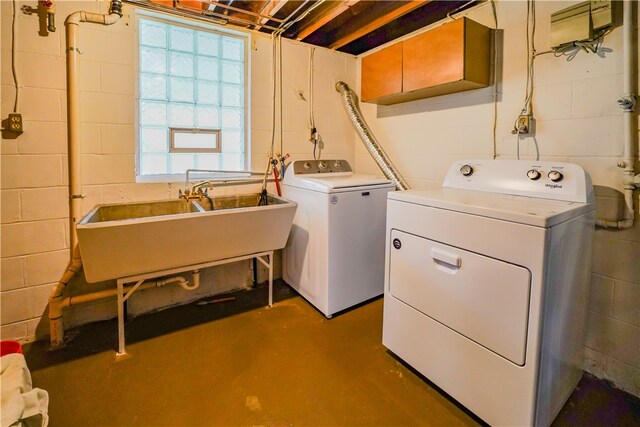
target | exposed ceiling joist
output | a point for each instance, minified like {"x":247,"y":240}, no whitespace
{"x":243,"y":11}
{"x":318,"y":20}
{"x":351,"y":26}
{"x":365,"y":23}
{"x":270,"y":9}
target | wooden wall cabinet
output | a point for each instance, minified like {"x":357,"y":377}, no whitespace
{"x":384,"y":73}
{"x":454,"y":57}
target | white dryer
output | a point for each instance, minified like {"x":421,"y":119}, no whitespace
{"x":487,"y":283}
{"x":335,"y":254}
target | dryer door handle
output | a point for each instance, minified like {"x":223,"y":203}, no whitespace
{"x":446,"y":261}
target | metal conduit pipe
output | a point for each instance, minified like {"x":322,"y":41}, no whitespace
{"x":110,"y":293}
{"x":627,"y":102}
{"x":350,"y":102}
{"x":72,"y":23}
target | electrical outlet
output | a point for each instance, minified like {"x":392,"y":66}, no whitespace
{"x":15,"y":122}
{"x":524,"y":124}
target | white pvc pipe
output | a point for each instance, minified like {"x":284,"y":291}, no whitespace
{"x":73,"y":126}
{"x":629,"y":177}
{"x":629,"y":59}
{"x":56,"y":301}
{"x":627,"y":48}
{"x":195,"y":275}
{"x":96,"y":18}
{"x":109,"y":293}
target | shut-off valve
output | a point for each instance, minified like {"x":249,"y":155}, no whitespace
{"x":50,"y":8}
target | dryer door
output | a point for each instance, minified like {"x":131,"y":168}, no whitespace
{"x":484,"y":299}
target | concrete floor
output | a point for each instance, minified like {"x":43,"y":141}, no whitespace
{"x":238,"y":363}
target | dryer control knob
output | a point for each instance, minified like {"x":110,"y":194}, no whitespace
{"x":534,"y":174}
{"x":466,"y":170}
{"x":322,"y":164}
{"x":555,"y":176}
{"x":307,"y":165}
{"x":337,"y":164}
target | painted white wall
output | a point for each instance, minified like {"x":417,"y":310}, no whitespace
{"x":578,"y":120}
{"x":35,"y":235}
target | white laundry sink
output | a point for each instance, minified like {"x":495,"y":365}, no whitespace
{"x":124,"y":239}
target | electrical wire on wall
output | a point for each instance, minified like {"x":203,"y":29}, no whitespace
{"x":571,"y":50}
{"x":16,"y":102}
{"x":527,"y":108}
{"x":280,"y":86}
{"x":495,"y":78}
{"x":276,"y":42}
{"x":463,"y":10}
{"x":314,"y":135}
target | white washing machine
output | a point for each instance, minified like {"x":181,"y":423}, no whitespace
{"x":335,"y":254}
{"x":487,"y":284}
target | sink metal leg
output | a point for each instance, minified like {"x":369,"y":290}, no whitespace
{"x":139,"y":279}
{"x":121,"y":348}
{"x":122,"y":298}
{"x":269,"y":265}
{"x":271,"y":279}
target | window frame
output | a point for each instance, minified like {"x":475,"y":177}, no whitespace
{"x":197,"y":25}
{"x":174,"y":149}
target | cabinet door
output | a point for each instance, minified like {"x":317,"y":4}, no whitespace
{"x":382,"y":73}
{"x":435,"y":57}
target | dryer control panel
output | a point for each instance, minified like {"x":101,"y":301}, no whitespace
{"x":313,"y":167}
{"x":529,"y":178}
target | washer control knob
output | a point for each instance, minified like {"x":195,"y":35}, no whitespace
{"x":337,"y":164}
{"x":466,"y":170}
{"x":555,"y":176}
{"x":322,"y":164}
{"x":307,"y":165}
{"x":534,"y":174}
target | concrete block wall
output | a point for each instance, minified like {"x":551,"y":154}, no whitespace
{"x":575,"y":107}
{"x":34,"y":195}
{"x":578,"y":120}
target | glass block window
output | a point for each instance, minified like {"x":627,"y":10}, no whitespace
{"x":193,"y":79}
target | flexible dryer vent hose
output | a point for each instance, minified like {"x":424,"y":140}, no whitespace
{"x":350,"y":102}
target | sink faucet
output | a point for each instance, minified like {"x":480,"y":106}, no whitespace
{"x":199,"y":186}
{"x":198,"y":191}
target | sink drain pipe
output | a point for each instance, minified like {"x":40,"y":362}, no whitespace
{"x":72,"y":24}
{"x":64,"y":303}
{"x":350,"y":102}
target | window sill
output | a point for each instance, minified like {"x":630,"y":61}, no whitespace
{"x":180,"y":178}
{"x":167,"y":178}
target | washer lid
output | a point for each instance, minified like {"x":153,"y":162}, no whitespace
{"x":327,"y":183}
{"x":525,"y":210}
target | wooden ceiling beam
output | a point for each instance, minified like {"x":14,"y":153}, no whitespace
{"x":241,"y":11}
{"x":366,"y":25}
{"x":270,"y":8}
{"x":317,"y":21}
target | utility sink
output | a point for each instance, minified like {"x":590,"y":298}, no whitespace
{"x":124,"y":211}
{"x":125,"y":239}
